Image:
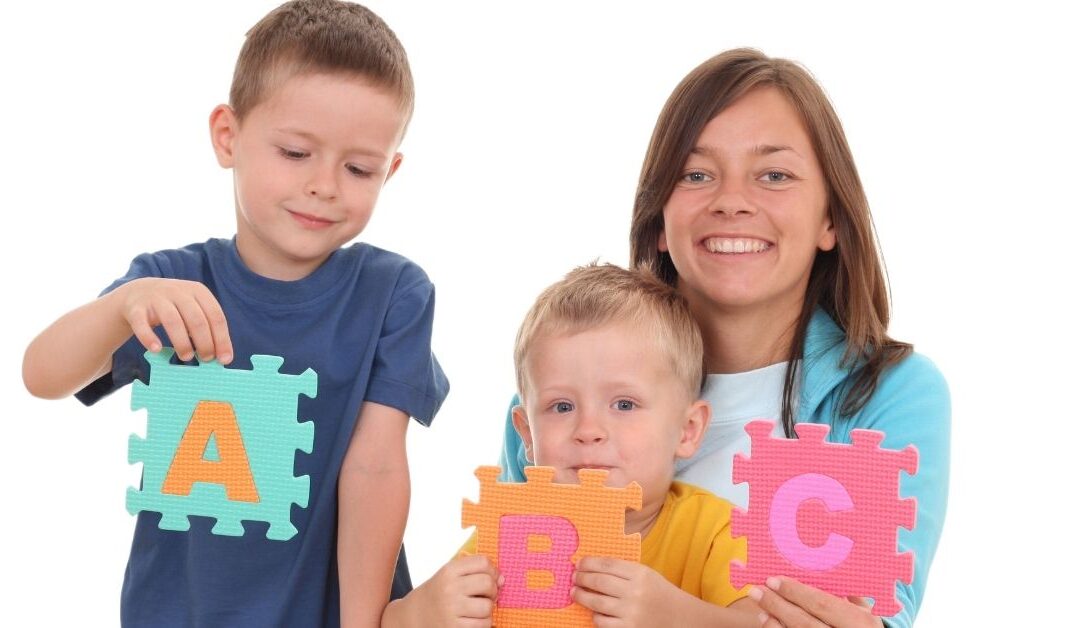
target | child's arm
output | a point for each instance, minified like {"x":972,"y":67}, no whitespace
{"x":373,"y":503}
{"x":77,"y":348}
{"x":462,"y":593}
{"x":632,"y":594}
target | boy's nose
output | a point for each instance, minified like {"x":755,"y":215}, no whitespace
{"x":321,"y":185}
{"x":589,"y":429}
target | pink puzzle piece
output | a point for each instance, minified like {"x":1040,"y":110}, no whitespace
{"x":824,"y":513}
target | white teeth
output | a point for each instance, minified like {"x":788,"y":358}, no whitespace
{"x":736,"y":245}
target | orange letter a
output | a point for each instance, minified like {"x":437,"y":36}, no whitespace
{"x":231,"y":469}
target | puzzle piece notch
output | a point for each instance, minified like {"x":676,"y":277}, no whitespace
{"x":265,"y":403}
{"x":867,"y":474}
{"x":597,"y":512}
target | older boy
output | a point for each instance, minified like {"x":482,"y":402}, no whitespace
{"x":609,"y":366}
{"x":320,"y":99}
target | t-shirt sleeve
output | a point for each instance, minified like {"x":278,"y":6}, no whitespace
{"x":912,"y":406}
{"x":128,"y":363}
{"x":405,"y":374}
{"x":716,"y":577}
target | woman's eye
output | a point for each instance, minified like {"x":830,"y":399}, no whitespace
{"x":775,"y":176}
{"x":695,"y":177}
{"x":625,"y":405}
{"x":563,"y":407}
{"x":291,"y":154}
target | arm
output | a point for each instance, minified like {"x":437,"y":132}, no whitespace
{"x":373,"y":503}
{"x":78,"y":347}
{"x":623,"y":593}
{"x":461,"y":593}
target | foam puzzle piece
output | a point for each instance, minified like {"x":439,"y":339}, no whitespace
{"x":221,"y":443}
{"x":535,"y":532}
{"x":825,"y":513}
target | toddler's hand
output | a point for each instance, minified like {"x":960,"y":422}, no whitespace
{"x":187,"y":310}
{"x":620,"y":592}
{"x":462,"y":593}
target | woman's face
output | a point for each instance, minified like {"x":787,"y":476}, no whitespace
{"x":748,"y":213}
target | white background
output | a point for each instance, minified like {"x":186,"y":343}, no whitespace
{"x":521,"y":161}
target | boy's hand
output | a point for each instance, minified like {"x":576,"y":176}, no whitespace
{"x":187,"y":310}
{"x":462,"y":593}
{"x":621,"y":593}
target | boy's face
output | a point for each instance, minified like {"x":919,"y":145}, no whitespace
{"x":608,"y":398}
{"x":308,"y":165}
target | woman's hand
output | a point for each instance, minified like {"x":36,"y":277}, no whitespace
{"x":792,"y":604}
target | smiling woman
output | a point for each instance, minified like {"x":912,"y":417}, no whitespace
{"x":749,"y":203}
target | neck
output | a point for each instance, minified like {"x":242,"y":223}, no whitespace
{"x":743,"y":339}
{"x":643,"y":520}
{"x":266,"y":266}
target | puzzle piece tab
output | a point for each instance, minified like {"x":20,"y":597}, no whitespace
{"x":221,"y":443}
{"x":825,"y":513}
{"x":535,"y":532}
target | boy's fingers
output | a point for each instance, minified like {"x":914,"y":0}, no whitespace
{"x":143,"y":331}
{"x":479,"y":584}
{"x":198,"y":328}
{"x":477,"y":608}
{"x":219,"y":326}
{"x":595,"y":602}
{"x":603,"y":564}
{"x":174,"y":327}
{"x":600,"y":582}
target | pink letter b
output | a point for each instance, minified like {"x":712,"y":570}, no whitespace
{"x":515,"y":560}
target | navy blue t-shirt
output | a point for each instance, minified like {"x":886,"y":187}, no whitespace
{"x":362,"y":321}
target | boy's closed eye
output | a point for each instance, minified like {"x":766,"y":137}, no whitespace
{"x":290,"y":153}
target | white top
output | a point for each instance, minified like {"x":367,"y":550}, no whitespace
{"x":736,"y":399}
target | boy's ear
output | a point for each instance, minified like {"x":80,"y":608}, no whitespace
{"x":693,"y":429}
{"x":395,"y":163}
{"x":521,"y":424}
{"x":223,"y":129}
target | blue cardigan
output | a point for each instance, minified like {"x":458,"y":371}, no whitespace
{"x":910,"y":404}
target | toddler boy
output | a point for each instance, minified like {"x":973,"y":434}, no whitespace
{"x":609,"y":367}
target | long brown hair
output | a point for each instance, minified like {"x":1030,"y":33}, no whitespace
{"x":848,"y":281}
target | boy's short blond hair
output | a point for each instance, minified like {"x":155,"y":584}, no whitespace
{"x":319,"y":36}
{"x":600,"y":294}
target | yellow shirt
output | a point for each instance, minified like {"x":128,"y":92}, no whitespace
{"x":690,"y":544}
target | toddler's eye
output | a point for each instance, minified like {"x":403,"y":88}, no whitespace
{"x":357,"y":171}
{"x":625,"y":405}
{"x":291,"y":154}
{"x":563,"y":407}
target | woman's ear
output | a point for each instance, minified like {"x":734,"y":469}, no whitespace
{"x":223,"y":129}
{"x":693,"y":429}
{"x":827,"y":241}
{"x":521,"y":424}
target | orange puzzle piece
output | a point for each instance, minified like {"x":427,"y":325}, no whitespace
{"x":535,"y":532}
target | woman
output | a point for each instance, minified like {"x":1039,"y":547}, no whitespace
{"x":749,"y":203}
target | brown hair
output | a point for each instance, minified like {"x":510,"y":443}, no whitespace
{"x":596,"y":295}
{"x":319,"y":36}
{"x":848,"y":282}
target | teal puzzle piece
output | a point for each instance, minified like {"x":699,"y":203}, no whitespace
{"x":265,"y":404}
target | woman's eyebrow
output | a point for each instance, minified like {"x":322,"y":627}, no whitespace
{"x":769,"y":149}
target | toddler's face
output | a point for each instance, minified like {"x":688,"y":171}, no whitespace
{"x":308,"y":163}
{"x":608,"y":398}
